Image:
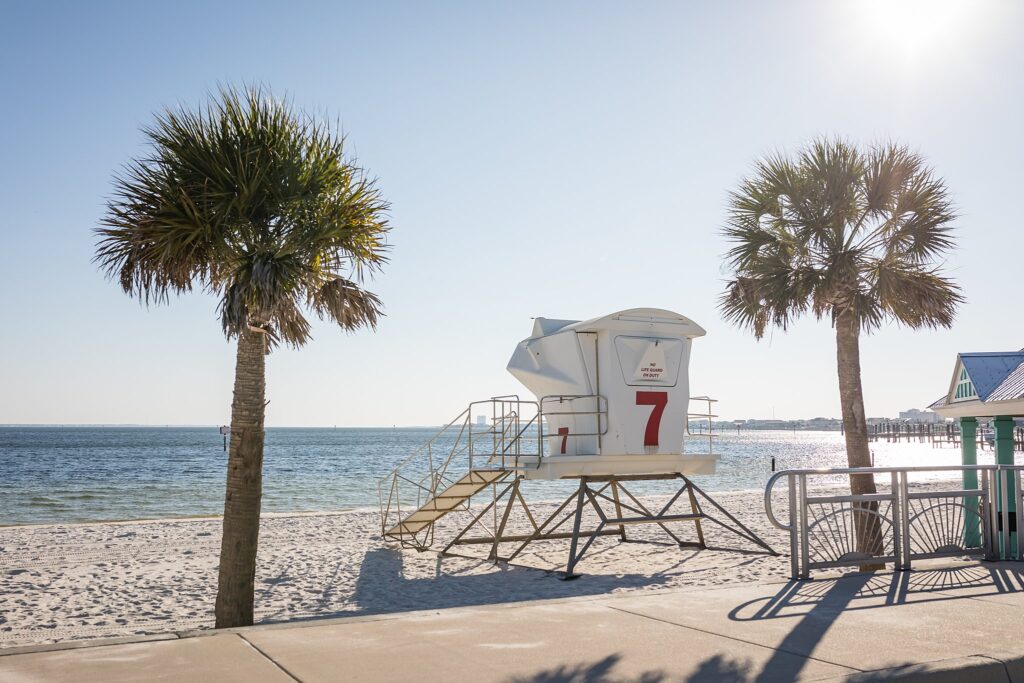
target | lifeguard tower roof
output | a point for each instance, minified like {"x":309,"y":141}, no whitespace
{"x":984,"y":385}
{"x":655,"y":319}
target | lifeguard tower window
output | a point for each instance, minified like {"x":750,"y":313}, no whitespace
{"x":649,"y":361}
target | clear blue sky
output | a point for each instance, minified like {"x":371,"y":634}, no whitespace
{"x":559,"y":159}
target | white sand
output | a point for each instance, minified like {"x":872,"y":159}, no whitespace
{"x":61,"y":582}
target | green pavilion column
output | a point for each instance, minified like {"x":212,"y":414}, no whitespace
{"x":969,"y":456}
{"x":1004,"y":456}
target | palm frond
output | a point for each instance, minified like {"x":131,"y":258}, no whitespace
{"x":836,"y":229}
{"x":251,"y":200}
{"x":915,"y":296}
{"x":347,"y":304}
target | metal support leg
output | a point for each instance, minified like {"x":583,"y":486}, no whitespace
{"x":650,"y":514}
{"x":478,"y":518}
{"x":742,"y":531}
{"x":540,"y":532}
{"x":504,"y":520}
{"x":618,"y":510}
{"x":571,"y":564}
{"x":695,"y":507}
{"x":628,"y":510}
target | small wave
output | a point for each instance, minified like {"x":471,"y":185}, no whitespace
{"x":54,"y":505}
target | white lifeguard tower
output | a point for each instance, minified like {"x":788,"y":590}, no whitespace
{"x":612,"y":407}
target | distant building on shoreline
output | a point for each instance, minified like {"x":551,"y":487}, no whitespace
{"x":822,"y":424}
{"x":921,"y":416}
{"x":816,"y":424}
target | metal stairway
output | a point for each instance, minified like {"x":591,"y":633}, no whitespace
{"x":444,"y":502}
{"x":461,"y":460}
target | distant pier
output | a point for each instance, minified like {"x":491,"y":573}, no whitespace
{"x":940,"y":435}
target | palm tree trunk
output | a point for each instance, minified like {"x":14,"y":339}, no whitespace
{"x":855,"y":426}
{"x":235,"y":585}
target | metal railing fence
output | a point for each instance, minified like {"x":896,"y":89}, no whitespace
{"x":906,"y":519}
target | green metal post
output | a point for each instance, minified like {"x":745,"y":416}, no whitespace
{"x":969,"y":456}
{"x":1003,"y":427}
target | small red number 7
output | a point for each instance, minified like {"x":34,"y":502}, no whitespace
{"x":564,"y":433}
{"x":658,"y":399}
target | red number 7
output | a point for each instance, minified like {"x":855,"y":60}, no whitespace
{"x":564,"y":433}
{"x":658,"y":399}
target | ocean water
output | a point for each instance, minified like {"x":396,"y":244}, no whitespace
{"x":74,"y":474}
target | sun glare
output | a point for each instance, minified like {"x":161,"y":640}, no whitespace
{"x":913,"y":26}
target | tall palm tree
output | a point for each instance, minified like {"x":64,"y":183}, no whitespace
{"x":854,"y":235}
{"x":254,"y":202}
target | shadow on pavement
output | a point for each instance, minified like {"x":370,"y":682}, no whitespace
{"x":601,"y":671}
{"x":714,"y":670}
{"x":815,"y":605}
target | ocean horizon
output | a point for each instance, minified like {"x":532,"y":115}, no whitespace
{"x":55,"y":474}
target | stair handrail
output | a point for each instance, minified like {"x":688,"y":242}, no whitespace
{"x":505,"y":431}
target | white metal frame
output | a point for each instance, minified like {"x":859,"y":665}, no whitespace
{"x":920,"y":524}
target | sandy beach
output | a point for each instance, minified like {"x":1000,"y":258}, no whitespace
{"x":79,"y":581}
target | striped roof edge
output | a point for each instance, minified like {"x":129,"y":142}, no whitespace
{"x":1011,"y":388}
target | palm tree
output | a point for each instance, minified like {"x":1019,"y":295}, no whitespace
{"x":254,"y":202}
{"x":855,"y":235}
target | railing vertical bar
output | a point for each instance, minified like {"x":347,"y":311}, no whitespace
{"x":896,"y":510}
{"x":794,"y":556}
{"x":1004,"y":502}
{"x":805,"y":552}
{"x":993,"y":510}
{"x":1019,"y":515}
{"x":905,"y":493}
{"x":983,"y":517}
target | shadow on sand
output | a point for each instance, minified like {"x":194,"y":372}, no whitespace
{"x":382,"y":587}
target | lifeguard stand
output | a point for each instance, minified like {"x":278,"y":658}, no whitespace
{"x":611,"y":408}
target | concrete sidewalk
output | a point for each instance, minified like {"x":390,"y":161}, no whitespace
{"x":960,"y":623}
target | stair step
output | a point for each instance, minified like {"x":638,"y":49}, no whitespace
{"x":447,"y":500}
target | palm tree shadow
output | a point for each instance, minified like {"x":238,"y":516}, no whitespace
{"x":714,"y":670}
{"x":601,"y":671}
{"x":811,"y":628}
{"x":819,"y":603}
{"x":790,"y":656}
{"x":723,"y":669}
